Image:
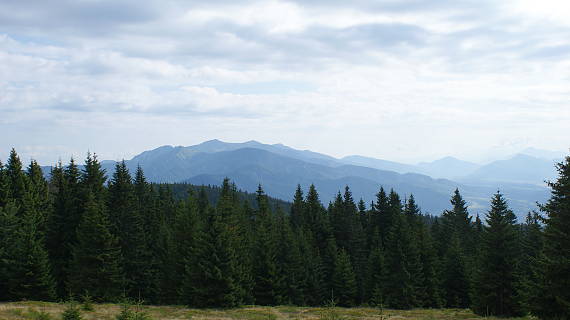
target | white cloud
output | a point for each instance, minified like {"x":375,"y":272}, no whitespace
{"x":391,"y":81}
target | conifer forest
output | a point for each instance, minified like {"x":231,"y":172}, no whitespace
{"x":78,"y":233}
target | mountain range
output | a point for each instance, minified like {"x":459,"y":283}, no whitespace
{"x":279,"y":169}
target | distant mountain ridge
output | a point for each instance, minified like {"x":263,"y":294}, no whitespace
{"x":279,"y":169}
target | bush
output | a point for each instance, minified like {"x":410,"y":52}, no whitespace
{"x":87,"y":304}
{"x":128,"y":314}
{"x":329,"y":312}
{"x":72,"y":312}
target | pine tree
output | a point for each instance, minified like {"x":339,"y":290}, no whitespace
{"x":455,"y":282}
{"x":495,"y":286}
{"x":432,"y":296}
{"x":4,"y":186}
{"x":187,"y":257}
{"x":146,"y":227}
{"x":93,"y":180}
{"x":298,"y":208}
{"x":399,"y":288}
{"x":213,"y":282}
{"x":265,"y":255}
{"x":16,"y":178}
{"x":62,"y":224}
{"x":344,"y":282}
{"x":237,"y":225}
{"x":129,"y":227}
{"x":357,"y":242}
{"x":376,"y":271}
{"x":289,"y":263}
{"x":32,"y":277}
{"x":168,"y":276}
{"x":552,"y":297}
{"x":316,"y":220}
{"x":531,"y":248}
{"x":95,"y":266}
{"x":381,"y":218}
{"x":457,"y":220}
{"x":315,"y":290}
{"x":9,"y":225}
{"x":38,"y":190}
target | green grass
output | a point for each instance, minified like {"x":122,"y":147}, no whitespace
{"x":32,"y":310}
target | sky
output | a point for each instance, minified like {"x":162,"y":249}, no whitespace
{"x":404,"y":80}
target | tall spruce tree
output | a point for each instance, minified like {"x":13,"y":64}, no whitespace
{"x":298,"y":208}
{"x":345,"y":286}
{"x":552,"y":297}
{"x":38,"y":190}
{"x":129,"y":227}
{"x":16,"y":178}
{"x":213,"y":279}
{"x":265,"y":254}
{"x":532,"y":242}
{"x":62,"y":224}
{"x":496,"y":282}
{"x":432,"y":295}
{"x":455,"y":282}
{"x":4,"y":186}
{"x":376,"y":272}
{"x":95,"y":266}
{"x":399,"y":289}
{"x":9,"y":229}
{"x":31,"y":279}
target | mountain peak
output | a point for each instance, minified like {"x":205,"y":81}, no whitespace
{"x":213,"y":141}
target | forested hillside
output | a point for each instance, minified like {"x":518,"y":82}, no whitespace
{"x":81,"y":233}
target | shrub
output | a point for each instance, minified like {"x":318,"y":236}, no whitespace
{"x":128,"y":314}
{"x":71,"y":312}
{"x":87,"y":304}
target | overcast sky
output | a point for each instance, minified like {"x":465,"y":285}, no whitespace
{"x":401,"y":80}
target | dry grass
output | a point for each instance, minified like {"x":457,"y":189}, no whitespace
{"x":31,"y":309}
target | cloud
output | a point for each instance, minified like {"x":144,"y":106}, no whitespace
{"x":389,"y":79}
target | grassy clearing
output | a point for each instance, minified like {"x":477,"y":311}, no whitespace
{"x":45,"y":311}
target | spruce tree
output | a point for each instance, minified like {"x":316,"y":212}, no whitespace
{"x":4,"y":186}
{"x":289,"y":263}
{"x":95,"y":265}
{"x":168,"y":276}
{"x":399,"y":288}
{"x":532,"y":242}
{"x":455,"y":282}
{"x":357,"y":242}
{"x":552,"y":297}
{"x":432,"y":296}
{"x":146,"y":226}
{"x":16,"y":178}
{"x":315,"y":289}
{"x":38,"y":190}
{"x":457,"y":220}
{"x":237,"y":225}
{"x":381,"y":219}
{"x":298,"y":208}
{"x":214,"y":271}
{"x":192,"y":248}
{"x":265,"y":254}
{"x":129,"y":227}
{"x":344,"y":282}
{"x":496,"y":282}
{"x":9,"y":228}
{"x":376,"y":272}
{"x":32,"y":277}
{"x":62,"y":224}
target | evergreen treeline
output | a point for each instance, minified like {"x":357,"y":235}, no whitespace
{"x":81,"y":234}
